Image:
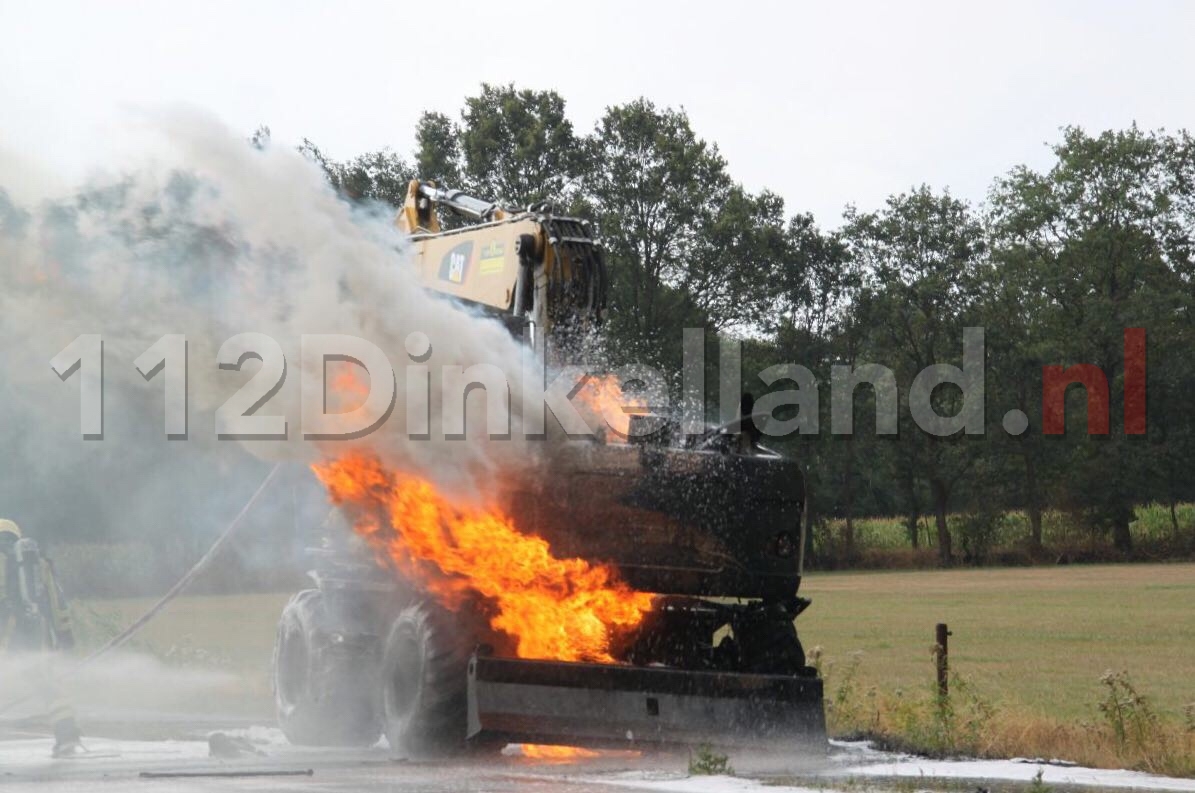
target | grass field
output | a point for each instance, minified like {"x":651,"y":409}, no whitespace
{"x":1029,"y":644}
{"x":1031,"y":649}
{"x":223,"y":633}
{"x":1035,"y":638}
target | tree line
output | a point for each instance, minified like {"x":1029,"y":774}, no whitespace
{"x":1055,"y":264}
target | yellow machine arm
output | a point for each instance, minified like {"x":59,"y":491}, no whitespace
{"x":527,"y":267}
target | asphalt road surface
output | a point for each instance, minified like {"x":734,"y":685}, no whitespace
{"x":175,"y":758}
{"x":120,"y":765}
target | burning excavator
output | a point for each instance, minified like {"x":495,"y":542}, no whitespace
{"x":642,"y":590}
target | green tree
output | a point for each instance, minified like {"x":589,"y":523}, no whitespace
{"x":919,"y":255}
{"x":514,"y":146}
{"x":438,"y":150}
{"x":376,"y":176}
{"x":731,"y":269}
{"x":655,"y":188}
{"x":814,"y":317}
{"x":518,"y":146}
{"x":1015,"y":316}
{"x":1108,"y":231}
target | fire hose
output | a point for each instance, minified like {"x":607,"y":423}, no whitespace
{"x":174,"y":591}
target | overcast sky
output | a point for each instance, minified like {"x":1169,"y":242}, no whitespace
{"x":825,"y":104}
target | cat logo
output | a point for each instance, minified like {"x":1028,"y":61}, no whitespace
{"x":492,"y":259}
{"x":455,"y":264}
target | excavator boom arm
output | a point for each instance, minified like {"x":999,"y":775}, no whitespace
{"x":527,"y":266}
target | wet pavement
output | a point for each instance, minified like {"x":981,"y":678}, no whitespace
{"x":179,"y":764}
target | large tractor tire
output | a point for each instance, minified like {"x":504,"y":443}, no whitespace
{"x":424,"y":683}
{"x":325,"y":680}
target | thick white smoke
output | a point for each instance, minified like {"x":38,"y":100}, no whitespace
{"x":209,"y":237}
{"x":119,"y":684}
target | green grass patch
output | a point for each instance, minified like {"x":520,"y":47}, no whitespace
{"x":225,"y":633}
{"x":1031,"y":653}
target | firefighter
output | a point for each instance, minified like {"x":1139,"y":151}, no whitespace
{"x":34,"y":618}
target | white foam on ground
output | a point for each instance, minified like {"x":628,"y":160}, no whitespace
{"x":860,"y":760}
{"x":682,"y":783}
{"x":1021,"y":772}
{"x":259,"y":735}
{"x":850,"y":761}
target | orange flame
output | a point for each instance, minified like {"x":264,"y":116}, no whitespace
{"x":603,"y":396}
{"x":547,"y":753}
{"x":557,"y":754}
{"x":345,"y":383}
{"x":561,"y":609}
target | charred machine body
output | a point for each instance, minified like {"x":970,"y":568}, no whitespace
{"x":712,"y":525}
